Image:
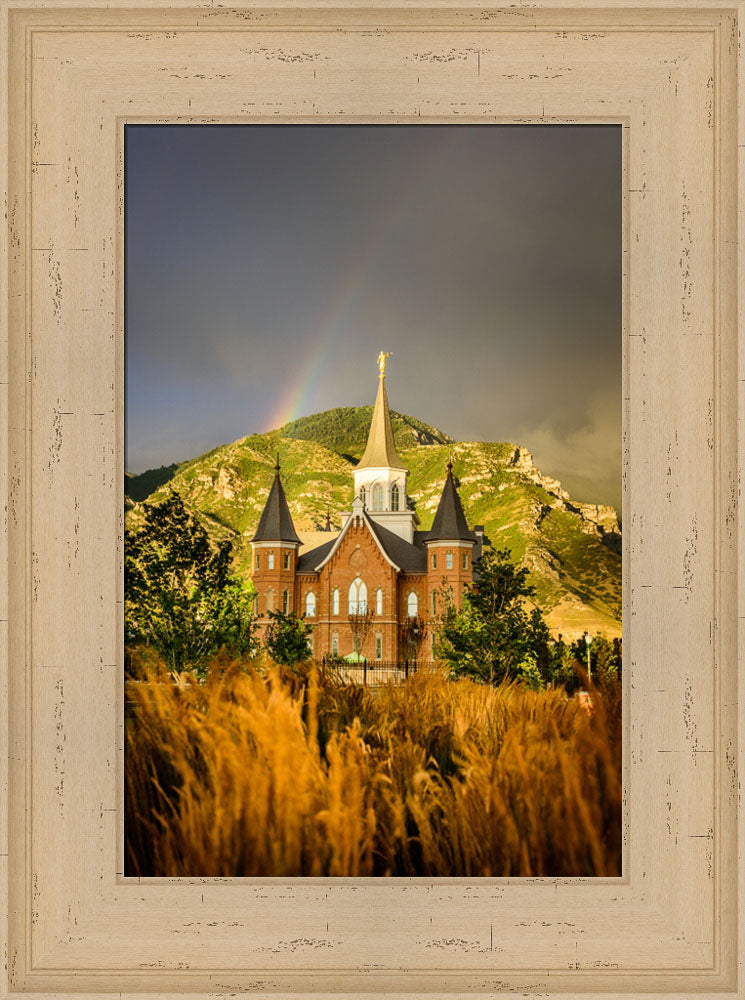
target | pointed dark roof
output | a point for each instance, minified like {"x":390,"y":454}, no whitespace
{"x":450,"y":521}
{"x":275,"y":523}
{"x":380,"y":452}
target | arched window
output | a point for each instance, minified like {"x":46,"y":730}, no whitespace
{"x":378,"y":646}
{"x":448,"y":560}
{"x":334,"y":643}
{"x":378,"y":601}
{"x":377,"y":497}
{"x":395,"y":496}
{"x":363,"y":495}
{"x":285,"y":601}
{"x":335,"y":602}
{"x":412,"y":605}
{"x":270,"y":560}
{"x":434,"y":604}
{"x":310,"y":605}
{"x":270,"y":599}
{"x":287,"y":560}
{"x":256,"y":606}
{"x":357,"y":597}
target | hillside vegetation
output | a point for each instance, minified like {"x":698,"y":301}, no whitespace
{"x":571,"y":549}
{"x":139,"y":487}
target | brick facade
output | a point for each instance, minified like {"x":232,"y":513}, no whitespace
{"x":359,"y":557}
{"x":379,"y":552}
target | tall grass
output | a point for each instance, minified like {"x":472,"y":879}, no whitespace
{"x":260,"y":774}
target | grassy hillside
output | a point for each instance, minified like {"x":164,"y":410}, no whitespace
{"x":344,"y":430}
{"x":571,"y":549}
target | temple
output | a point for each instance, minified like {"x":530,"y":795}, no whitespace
{"x":376,"y":588}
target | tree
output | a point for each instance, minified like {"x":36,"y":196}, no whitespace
{"x":493,"y":633}
{"x":360,"y":623}
{"x":180,"y":596}
{"x":286,"y":637}
{"x":562,"y":666}
{"x":529,"y":674}
{"x":232,"y":613}
{"x":605,"y":657}
{"x":413,"y":630}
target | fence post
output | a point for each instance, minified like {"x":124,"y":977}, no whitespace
{"x":364,"y":672}
{"x":406,"y":670}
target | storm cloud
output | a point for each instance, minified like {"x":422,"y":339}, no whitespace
{"x":266,"y":267}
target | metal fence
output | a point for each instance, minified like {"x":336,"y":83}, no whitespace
{"x":374,"y":673}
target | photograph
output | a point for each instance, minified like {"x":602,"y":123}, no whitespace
{"x":373,"y":500}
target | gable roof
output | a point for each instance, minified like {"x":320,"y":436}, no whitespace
{"x":409,"y":558}
{"x":450,"y":521}
{"x":308,"y":561}
{"x":402,"y":555}
{"x":337,"y":542}
{"x":275,"y":523}
{"x":381,"y":448}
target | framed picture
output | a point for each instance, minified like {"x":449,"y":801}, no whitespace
{"x":89,"y":907}
{"x":411,"y":607}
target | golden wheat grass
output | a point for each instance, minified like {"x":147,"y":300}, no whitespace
{"x":256,"y":773}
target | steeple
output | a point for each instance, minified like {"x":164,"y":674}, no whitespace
{"x":380,"y":452}
{"x":275,"y":524}
{"x":450,"y":522}
{"x":380,"y":477}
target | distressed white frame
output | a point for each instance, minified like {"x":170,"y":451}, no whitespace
{"x":76,"y":73}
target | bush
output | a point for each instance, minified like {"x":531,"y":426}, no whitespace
{"x":286,"y":638}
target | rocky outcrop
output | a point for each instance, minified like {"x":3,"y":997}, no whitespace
{"x":425,"y":437}
{"x":599,"y":519}
{"x":225,"y":483}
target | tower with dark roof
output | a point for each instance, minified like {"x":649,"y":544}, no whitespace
{"x":275,"y":548}
{"x":450,"y":547}
{"x":450,"y":522}
{"x":275,"y":523}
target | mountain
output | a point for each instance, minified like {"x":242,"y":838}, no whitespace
{"x":344,"y":430}
{"x":139,"y":487}
{"x":573,"y":550}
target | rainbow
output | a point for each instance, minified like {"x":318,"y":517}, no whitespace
{"x":329,"y":331}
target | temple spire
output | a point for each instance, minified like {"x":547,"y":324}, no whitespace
{"x":450,"y":522}
{"x":381,"y":452}
{"x":275,"y":523}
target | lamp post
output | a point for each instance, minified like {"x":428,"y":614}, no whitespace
{"x":588,"y":643}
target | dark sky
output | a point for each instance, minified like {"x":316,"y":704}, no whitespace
{"x":266,"y":267}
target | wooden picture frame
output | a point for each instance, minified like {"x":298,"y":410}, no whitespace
{"x":671,"y":925}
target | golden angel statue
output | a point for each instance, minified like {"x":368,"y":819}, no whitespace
{"x":381,"y":363}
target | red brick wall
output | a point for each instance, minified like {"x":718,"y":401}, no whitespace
{"x":441,"y":577}
{"x":278,"y":579}
{"x":359,"y":555}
